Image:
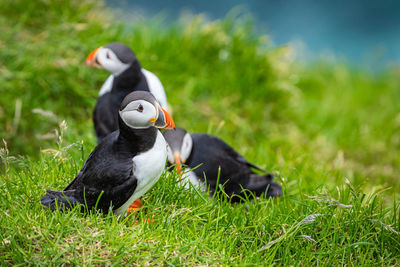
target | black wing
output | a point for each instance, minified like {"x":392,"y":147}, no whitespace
{"x":115,"y":196}
{"x":105,"y":116}
{"x":106,"y":172}
{"x":92,"y":197}
{"x":220,"y":144}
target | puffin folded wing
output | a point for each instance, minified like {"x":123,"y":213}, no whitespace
{"x":220,"y":145}
{"x":65,"y":200}
{"x":260,"y":184}
{"x":242,"y":186}
{"x":114,"y":196}
{"x":100,"y":198}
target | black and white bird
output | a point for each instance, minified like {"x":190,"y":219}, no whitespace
{"x":125,"y":164}
{"x":126,"y":76}
{"x":207,"y":156}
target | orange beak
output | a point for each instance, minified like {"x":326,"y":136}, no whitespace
{"x":164,"y":120}
{"x":178,"y":163}
{"x":91,"y":59}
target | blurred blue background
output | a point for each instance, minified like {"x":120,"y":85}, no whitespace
{"x":364,"y":33}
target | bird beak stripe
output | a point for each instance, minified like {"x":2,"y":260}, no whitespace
{"x":164,"y":120}
{"x":91,"y":59}
{"x":178,"y":163}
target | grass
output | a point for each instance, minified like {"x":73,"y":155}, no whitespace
{"x":329,"y":133}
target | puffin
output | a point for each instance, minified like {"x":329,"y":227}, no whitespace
{"x":212,"y":162}
{"x":126,"y":76}
{"x":126,"y":163}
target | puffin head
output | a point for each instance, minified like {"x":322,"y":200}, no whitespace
{"x":140,"y":110}
{"x":114,"y":57}
{"x":179,"y":146}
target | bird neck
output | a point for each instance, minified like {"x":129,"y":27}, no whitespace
{"x":136,"y":140}
{"x":129,"y":78}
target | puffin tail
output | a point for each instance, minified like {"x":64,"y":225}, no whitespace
{"x":61,"y":199}
{"x":262,"y":184}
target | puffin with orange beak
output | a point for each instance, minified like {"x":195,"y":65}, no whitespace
{"x":126,"y":76}
{"x":126,"y":163}
{"x":211,"y":162}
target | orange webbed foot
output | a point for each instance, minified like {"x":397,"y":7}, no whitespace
{"x":135,"y":206}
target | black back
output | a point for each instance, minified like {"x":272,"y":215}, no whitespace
{"x":105,"y":114}
{"x":210,"y":153}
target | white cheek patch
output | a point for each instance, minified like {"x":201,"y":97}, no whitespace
{"x":170,"y":155}
{"x":186,"y":148}
{"x":135,"y":119}
{"x":111,"y":63}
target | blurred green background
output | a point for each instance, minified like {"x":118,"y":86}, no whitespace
{"x":329,"y":132}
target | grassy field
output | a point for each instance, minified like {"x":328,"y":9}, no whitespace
{"x":329,"y":133}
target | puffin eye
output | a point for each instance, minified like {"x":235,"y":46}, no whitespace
{"x":140,"y":108}
{"x":107,"y":55}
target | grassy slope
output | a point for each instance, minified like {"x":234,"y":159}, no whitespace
{"x":314,"y":127}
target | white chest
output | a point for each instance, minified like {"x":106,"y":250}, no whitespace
{"x":147,"y":168}
{"x":190,"y":179}
{"x":107,"y":85}
{"x":156,"y":88}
